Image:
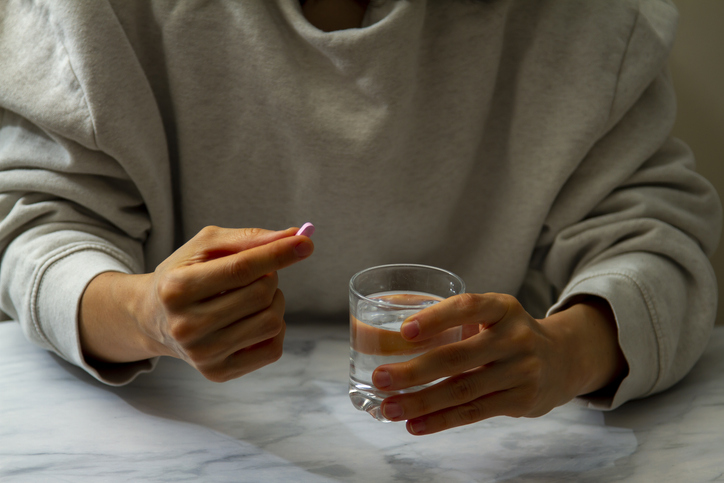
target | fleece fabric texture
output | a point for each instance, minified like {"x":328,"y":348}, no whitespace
{"x":522,"y":145}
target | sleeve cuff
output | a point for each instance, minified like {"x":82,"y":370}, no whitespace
{"x":635,"y":319}
{"x":63,"y":279}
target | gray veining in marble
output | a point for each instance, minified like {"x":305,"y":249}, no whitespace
{"x":293,"y":422}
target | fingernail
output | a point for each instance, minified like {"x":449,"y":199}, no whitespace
{"x":417,"y":426}
{"x":391,"y":410}
{"x":410,"y":329}
{"x":381,"y":379}
{"x":303,"y":249}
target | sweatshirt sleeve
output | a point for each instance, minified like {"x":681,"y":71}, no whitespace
{"x":78,"y":186}
{"x":635,"y":225}
{"x":67,"y":216}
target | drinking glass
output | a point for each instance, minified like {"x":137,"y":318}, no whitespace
{"x":380,"y":299}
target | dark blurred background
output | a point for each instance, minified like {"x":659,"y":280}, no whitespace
{"x":697,"y":67}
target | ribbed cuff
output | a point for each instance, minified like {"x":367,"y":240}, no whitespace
{"x":632,"y":309}
{"x":58,"y":288}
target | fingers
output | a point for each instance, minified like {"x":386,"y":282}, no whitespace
{"x":510,"y":367}
{"x":255,"y":329}
{"x":255,"y":357}
{"x":497,"y":390}
{"x":463,"y":309}
{"x":454,"y":391}
{"x":215,"y":301}
{"x":440,"y":362}
{"x":474,"y":351}
{"x":218,"y":312}
{"x":194,"y":282}
{"x":495,"y":404}
{"x":248,"y":360}
{"x":214,"y":242}
{"x":243,"y":268}
{"x":221,"y":355}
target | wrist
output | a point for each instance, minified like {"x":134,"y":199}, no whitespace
{"x":110,"y":320}
{"x":587,"y":331}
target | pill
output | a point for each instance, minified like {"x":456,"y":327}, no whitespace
{"x":307,"y":229}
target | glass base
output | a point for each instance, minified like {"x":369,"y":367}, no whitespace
{"x":365,"y":398}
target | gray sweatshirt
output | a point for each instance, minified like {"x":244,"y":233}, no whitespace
{"x":522,"y":145}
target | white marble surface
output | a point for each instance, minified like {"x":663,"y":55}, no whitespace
{"x":293,"y":422}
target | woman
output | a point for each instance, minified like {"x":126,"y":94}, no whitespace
{"x":524,"y":146}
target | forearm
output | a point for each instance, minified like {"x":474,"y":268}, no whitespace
{"x":587,"y":330}
{"x":108,"y":324}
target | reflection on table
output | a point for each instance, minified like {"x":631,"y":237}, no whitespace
{"x":292,"y":421}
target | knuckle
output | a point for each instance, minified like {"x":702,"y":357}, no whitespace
{"x":275,"y":353}
{"x":506,"y":300}
{"x":462,"y":390}
{"x":272,"y":324}
{"x":268,"y":290}
{"x":260,"y":295}
{"x":199,"y":354}
{"x":466,"y":302}
{"x":280,"y":253}
{"x":269,"y":351}
{"x":422,"y":405}
{"x":524,"y":338}
{"x":530,"y":396}
{"x":470,"y":413}
{"x":409,"y":374}
{"x":518,"y":411}
{"x":539,"y":411}
{"x":216,"y":375}
{"x":272,"y":281}
{"x":533,"y":369}
{"x":454,"y":358}
{"x":528,"y":402}
{"x":172,"y":290}
{"x":181,"y":331}
{"x":209,"y":232}
{"x":253,"y":232}
{"x":525,"y":402}
{"x":279,"y":302}
{"x":241,"y":270}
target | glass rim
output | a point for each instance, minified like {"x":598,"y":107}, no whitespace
{"x":401,"y":265}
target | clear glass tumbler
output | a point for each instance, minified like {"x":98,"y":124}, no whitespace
{"x":380,"y":299}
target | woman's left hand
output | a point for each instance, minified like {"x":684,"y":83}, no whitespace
{"x":511,"y":365}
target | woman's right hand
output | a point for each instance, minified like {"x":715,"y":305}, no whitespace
{"x":213,"y":303}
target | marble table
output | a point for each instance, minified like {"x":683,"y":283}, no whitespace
{"x":293,"y":422}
